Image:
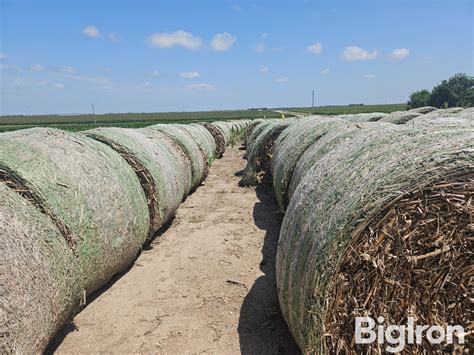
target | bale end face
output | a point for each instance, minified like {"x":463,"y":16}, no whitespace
{"x":416,"y":260}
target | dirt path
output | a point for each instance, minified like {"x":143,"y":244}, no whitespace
{"x":207,"y":285}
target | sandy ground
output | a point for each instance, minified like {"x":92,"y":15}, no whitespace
{"x":206,"y":285}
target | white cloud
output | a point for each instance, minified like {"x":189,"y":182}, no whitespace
{"x":400,"y":53}
{"x":263,"y":70}
{"x":67,"y":69}
{"x":189,"y":74}
{"x":178,"y":38}
{"x":325,"y":71}
{"x":222,"y":42}
{"x":113,"y":38}
{"x":369,"y":76}
{"x":281,"y":80}
{"x":2,"y":56}
{"x":354,"y":53}
{"x":108,"y":70}
{"x":236,"y":7}
{"x":155,"y":73}
{"x":58,"y":86}
{"x":315,"y":48}
{"x":36,"y":68}
{"x":264,"y":35}
{"x":200,"y":87}
{"x":91,"y":31}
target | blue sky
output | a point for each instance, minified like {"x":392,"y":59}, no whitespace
{"x":149,"y":56}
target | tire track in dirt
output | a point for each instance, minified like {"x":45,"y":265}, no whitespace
{"x":206,"y":285}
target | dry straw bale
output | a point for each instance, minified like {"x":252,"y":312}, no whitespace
{"x":87,"y":189}
{"x":40,"y":281}
{"x":163,"y":177}
{"x":255,"y":133}
{"x":363,"y":117}
{"x":423,"y":110}
{"x":380,"y":226}
{"x":326,"y":144}
{"x":206,"y":140}
{"x":198,"y":158}
{"x":400,"y":117}
{"x":219,"y":138}
{"x":291,"y":144}
{"x":258,"y":162}
{"x":225,"y":129}
{"x":249,"y":129}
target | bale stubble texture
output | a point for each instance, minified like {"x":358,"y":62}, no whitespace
{"x":390,"y":236}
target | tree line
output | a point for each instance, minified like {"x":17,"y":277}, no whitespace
{"x":458,"y":90}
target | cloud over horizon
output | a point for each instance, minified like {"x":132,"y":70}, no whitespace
{"x":171,"y":39}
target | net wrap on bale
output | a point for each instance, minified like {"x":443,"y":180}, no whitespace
{"x":87,"y":189}
{"x":219,"y":139}
{"x":40,"y":281}
{"x":157,"y":166}
{"x":291,"y":144}
{"x":386,"y":237}
{"x":258,"y":159}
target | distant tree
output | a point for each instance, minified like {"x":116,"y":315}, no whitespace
{"x":419,"y":99}
{"x":442,"y":96}
{"x":462,"y":87}
{"x":458,"y":90}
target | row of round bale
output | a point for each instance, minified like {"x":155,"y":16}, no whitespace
{"x":76,"y":209}
{"x":378,"y":223}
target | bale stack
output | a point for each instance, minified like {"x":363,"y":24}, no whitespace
{"x":400,"y":117}
{"x":75,"y":209}
{"x":161,"y":166}
{"x":258,"y":161}
{"x":364,"y":117}
{"x":292,"y":144}
{"x":380,"y":225}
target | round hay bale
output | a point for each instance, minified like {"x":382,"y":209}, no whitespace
{"x":326,"y":144}
{"x":256,"y":132}
{"x":219,"y":138}
{"x":291,"y":145}
{"x":225,"y":129}
{"x":199,"y":167}
{"x":258,"y":162}
{"x":450,"y":122}
{"x":203,"y":139}
{"x":249,"y":130}
{"x":423,"y":110}
{"x":379,"y":227}
{"x":156,"y":165}
{"x":41,"y":286}
{"x":400,"y":117}
{"x":87,"y":189}
{"x":364,"y":117}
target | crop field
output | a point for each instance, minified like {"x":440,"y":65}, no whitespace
{"x":84,"y":122}
{"x":349,"y":109}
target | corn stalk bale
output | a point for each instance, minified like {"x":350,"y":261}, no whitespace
{"x":364,"y":117}
{"x":449,"y":112}
{"x":258,"y":162}
{"x":156,"y":165}
{"x":423,"y":110}
{"x":291,"y":144}
{"x":40,"y":281}
{"x":249,"y":129}
{"x":225,"y":129}
{"x":326,"y":144}
{"x":219,"y":138}
{"x":400,"y":117}
{"x":199,"y":167}
{"x":182,"y":162}
{"x":380,"y":226}
{"x":449,"y":122}
{"x":87,"y":189}
{"x":203,"y":139}
{"x":256,"y":132}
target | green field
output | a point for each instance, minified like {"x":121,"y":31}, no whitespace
{"x":341,"y":110}
{"x":137,"y":120}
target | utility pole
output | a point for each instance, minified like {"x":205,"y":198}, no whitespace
{"x":312,"y":105}
{"x":93,"y":113}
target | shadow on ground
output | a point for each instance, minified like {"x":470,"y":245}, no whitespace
{"x":262,"y":329}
